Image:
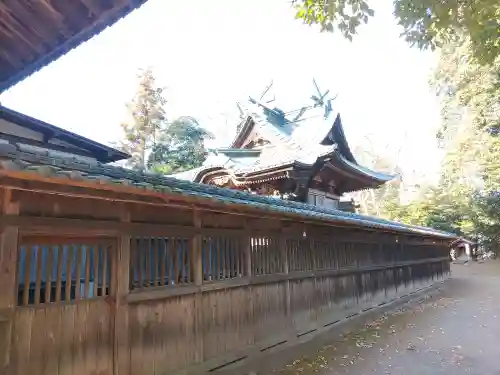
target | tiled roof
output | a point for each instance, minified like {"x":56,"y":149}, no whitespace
{"x":50,"y":166}
{"x":98,"y":150}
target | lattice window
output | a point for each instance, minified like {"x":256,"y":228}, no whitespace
{"x":389,"y":252}
{"x":223,"y":258}
{"x":346,"y":254}
{"x":300,"y":255}
{"x":159,"y":261}
{"x":368,"y":254}
{"x":266,"y":257}
{"x":49,"y":272}
{"x":415,"y":252}
{"x":324,"y":251}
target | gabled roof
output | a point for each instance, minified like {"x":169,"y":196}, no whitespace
{"x":307,"y":137}
{"x":35,"y":33}
{"x":100,"y":152}
{"x":337,"y":137}
{"x":310,"y":141}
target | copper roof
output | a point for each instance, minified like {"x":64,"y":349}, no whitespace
{"x":322,"y":141}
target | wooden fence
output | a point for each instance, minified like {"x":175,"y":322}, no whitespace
{"x":93,"y":285}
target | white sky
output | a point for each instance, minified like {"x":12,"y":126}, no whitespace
{"x":209,"y":54}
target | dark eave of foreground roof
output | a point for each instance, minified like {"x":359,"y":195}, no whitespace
{"x":64,"y":46}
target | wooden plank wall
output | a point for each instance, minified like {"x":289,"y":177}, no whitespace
{"x":98,"y":288}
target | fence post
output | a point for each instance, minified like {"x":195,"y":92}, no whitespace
{"x":247,"y":249}
{"x":285,"y":269}
{"x":119,"y":291}
{"x":196,"y":256}
{"x":312,"y":251}
{"x":8,"y":260}
{"x":195,"y":249}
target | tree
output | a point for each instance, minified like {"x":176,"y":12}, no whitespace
{"x":372,"y":201}
{"x":466,"y":200}
{"x":181,"y":147}
{"x":471,"y":93}
{"x":147,"y":119}
{"x":436,"y":209}
{"x":426,"y":23}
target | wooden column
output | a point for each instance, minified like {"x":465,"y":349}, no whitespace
{"x":120,"y":290}
{"x":196,"y":256}
{"x":286,"y":270}
{"x":195,"y":249}
{"x":312,"y":252}
{"x":8,"y":290}
{"x":283,"y":252}
{"x":247,"y":249}
{"x":381,"y":255}
{"x":248,"y":268}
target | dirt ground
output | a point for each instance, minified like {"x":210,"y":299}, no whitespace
{"x":454,"y":332}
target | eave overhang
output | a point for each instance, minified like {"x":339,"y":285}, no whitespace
{"x":354,"y":176}
{"x":244,"y":178}
{"x":244,"y":132}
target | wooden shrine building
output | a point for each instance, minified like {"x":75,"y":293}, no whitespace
{"x":105,"y":270}
{"x":299,"y":155}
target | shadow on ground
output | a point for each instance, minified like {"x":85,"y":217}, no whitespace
{"x":455,"y":331}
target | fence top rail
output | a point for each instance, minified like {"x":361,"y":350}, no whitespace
{"x":44,"y":167}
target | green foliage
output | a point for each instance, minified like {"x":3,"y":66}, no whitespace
{"x":343,"y":15}
{"x":181,"y":147}
{"x":426,"y":23}
{"x":371,"y":201}
{"x":147,"y":118}
{"x":152,"y":141}
{"x":487,"y":220}
{"x":435,"y":210}
{"x":467,"y":199}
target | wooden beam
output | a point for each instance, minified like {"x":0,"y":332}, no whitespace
{"x":93,"y":7}
{"x":8,"y":292}
{"x":32,"y":226}
{"x":286,"y":270}
{"x":247,"y":248}
{"x":24,"y":15}
{"x":120,"y":292}
{"x":66,"y":227}
{"x":150,"y":294}
{"x":195,"y":249}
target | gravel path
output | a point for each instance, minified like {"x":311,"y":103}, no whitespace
{"x":454,"y":332}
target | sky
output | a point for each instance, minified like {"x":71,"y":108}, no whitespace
{"x":211,"y":54}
